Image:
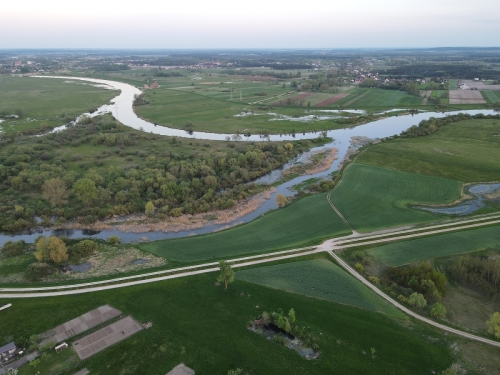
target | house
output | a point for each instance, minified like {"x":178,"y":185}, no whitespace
{"x":7,"y":351}
{"x":463,"y":86}
{"x":181,"y":369}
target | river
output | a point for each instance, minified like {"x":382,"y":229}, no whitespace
{"x":121,"y":108}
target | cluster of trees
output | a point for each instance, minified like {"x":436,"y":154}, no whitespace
{"x":110,"y":67}
{"x":416,"y":284}
{"x":319,"y":82}
{"x":288,"y":323}
{"x":481,"y":273}
{"x":37,"y":181}
{"x":432,"y":125}
{"x":140,"y":100}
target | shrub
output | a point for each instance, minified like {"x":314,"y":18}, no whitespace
{"x":417,"y":300}
{"x":114,"y":240}
{"x":12,"y":249}
{"x":82,"y":249}
{"x":374,"y":280}
{"x":38,"y":271}
{"x":359,"y":267}
{"x":438,"y":311}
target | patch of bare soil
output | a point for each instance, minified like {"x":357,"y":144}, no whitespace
{"x":466,"y":97}
{"x":318,"y":162}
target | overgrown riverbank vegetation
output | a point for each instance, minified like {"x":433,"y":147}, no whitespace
{"x":100,"y":168}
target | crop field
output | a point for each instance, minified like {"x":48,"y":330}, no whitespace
{"x":457,"y":151}
{"x":466,"y":97}
{"x":491,"y":96}
{"x":420,"y":249}
{"x":318,"y":278}
{"x":306,"y":221}
{"x":372,"y":198}
{"x":47,"y":101}
{"x":204,"y":326}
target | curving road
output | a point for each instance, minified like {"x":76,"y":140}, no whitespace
{"x":408,"y":311}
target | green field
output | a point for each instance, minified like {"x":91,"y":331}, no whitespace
{"x":175,"y":108}
{"x":396,"y":254}
{"x":204,"y":326}
{"x":373,"y":198}
{"x":320,"y":279}
{"x":491,"y":96}
{"x":467,"y":151}
{"x":302,"y":223}
{"x":47,"y":101}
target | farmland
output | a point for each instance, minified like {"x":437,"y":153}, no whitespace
{"x":185,"y":313}
{"x":305,"y":222}
{"x":50,"y":102}
{"x":396,"y":254}
{"x":466,"y":151}
{"x":320,"y":279}
{"x":372,"y":198}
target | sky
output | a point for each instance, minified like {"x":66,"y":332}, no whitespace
{"x":251,"y":24}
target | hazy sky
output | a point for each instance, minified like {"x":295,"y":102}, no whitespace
{"x":248,"y":24}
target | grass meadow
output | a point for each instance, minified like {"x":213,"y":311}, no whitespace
{"x":467,"y":151}
{"x":372,"y":198}
{"x":305,"y":222}
{"x":204,"y":326}
{"x":318,"y":278}
{"x":47,"y":101}
{"x":420,"y":249}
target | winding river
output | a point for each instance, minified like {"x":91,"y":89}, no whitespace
{"x":121,"y":108}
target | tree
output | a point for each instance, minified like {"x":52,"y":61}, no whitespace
{"x":150,"y":209}
{"x":82,"y":249}
{"x":359,"y":267}
{"x":85,"y":190}
{"x":51,"y":249}
{"x":417,"y":300}
{"x":438,"y":311}
{"x":54,"y":191}
{"x":281,"y":200}
{"x":226,"y":273}
{"x":494,"y":325}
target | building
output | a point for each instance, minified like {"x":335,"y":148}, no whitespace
{"x":7,"y":352}
{"x":181,"y":369}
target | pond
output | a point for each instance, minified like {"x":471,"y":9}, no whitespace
{"x":480,"y":199}
{"x":342,"y":140}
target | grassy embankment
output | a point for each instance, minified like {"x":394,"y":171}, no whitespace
{"x":420,"y":249}
{"x":47,"y":101}
{"x":305,"y":222}
{"x":373,"y":198}
{"x":204,"y":326}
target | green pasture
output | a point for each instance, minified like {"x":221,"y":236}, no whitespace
{"x":305,"y":222}
{"x":453,"y":84}
{"x":204,"y":326}
{"x":491,"y":96}
{"x":47,"y":100}
{"x":372,"y":198}
{"x":396,"y":254}
{"x":175,"y":108}
{"x":318,"y":278}
{"x":467,"y":151}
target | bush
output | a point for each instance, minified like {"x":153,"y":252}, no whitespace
{"x":438,"y":311}
{"x":12,"y":249}
{"x":114,"y":240}
{"x":359,"y":268}
{"x":82,"y":249}
{"x":38,"y":271}
{"x":374,"y":280}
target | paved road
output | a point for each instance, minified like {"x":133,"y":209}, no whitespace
{"x":408,"y":311}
